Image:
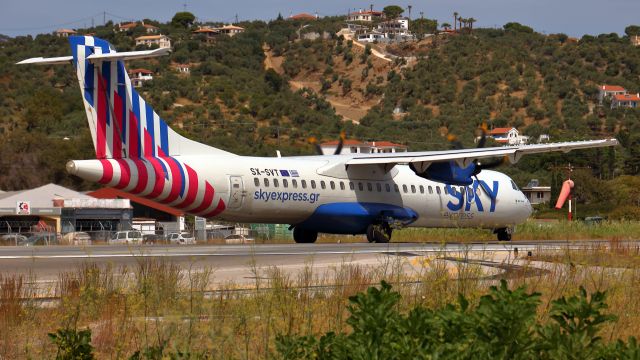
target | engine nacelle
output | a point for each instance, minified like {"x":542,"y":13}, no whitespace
{"x":448,"y":172}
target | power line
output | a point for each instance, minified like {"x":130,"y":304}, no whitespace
{"x":52,"y":25}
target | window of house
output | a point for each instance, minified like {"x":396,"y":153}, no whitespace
{"x":266,"y":182}
{"x":256,"y":181}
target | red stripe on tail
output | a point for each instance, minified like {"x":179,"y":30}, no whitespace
{"x":125,"y":174}
{"x":142,"y":177}
{"x":107,"y":172}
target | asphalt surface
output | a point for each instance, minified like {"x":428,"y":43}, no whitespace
{"x":46,"y":262}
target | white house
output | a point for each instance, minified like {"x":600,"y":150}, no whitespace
{"x":230,"y":30}
{"x":625,"y":101}
{"x":508,"y":136}
{"x":148,"y":40}
{"x":65,"y":32}
{"x":367,"y":16}
{"x":535,"y":193}
{"x":396,"y":27}
{"x":140,"y":76}
{"x":371,"y":36}
{"x":608,"y":91}
{"x":361,"y":147}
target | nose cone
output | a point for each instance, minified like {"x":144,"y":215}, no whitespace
{"x":528,"y":208}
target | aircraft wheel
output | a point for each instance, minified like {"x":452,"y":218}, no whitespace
{"x":503,"y":234}
{"x":378,"y":233}
{"x":302,"y":236}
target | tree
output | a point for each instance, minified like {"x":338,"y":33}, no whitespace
{"x":471,"y":21}
{"x":632,"y":30}
{"x":183,"y":19}
{"x":517,"y":27}
{"x":446,"y":26}
{"x":420,"y":27}
{"x":455,"y":20}
{"x":392,"y":11}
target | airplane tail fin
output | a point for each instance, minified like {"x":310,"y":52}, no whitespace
{"x":122,"y":123}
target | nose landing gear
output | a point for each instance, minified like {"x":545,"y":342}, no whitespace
{"x":379,"y":233}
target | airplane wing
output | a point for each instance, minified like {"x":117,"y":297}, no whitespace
{"x":463,"y":157}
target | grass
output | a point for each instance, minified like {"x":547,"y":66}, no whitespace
{"x":159,"y":304}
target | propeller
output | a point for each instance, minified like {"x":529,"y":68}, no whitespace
{"x":314,"y":141}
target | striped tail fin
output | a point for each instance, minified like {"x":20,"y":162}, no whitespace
{"x":122,"y":123}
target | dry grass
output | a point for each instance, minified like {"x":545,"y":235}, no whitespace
{"x":158,"y":303}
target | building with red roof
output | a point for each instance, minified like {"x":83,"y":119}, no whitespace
{"x":625,"y":101}
{"x":65,"y":32}
{"x":507,"y":136}
{"x":608,"y":91}
{"x":140,"y":76}
{"x":303,"y":16}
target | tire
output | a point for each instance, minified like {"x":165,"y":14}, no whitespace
{"x":503,"y":234}
{"x":302,"y":236}
{"x":378,"y":233}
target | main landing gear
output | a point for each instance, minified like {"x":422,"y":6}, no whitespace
{"x":302,"y":236}
{"x":379,"y":233}
{"x":504,"y":234}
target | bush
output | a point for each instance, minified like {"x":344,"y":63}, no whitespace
{"x":503,"y":325}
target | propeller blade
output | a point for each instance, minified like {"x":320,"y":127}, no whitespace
{"x":340,"y":143}
{"x":485,"y":189}
{"x":313,"y":141}
{"x":483,"y":136}
{"x":491,"y":164}
{"x":455,"y":143}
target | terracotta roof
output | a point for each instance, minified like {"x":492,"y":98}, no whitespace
{"x":127,"y":25}
{"x":110,"y":193}
{"x":612,"y":88}
{"x":143,"y":71}
{"x":231,"y":27}
{"x":204,"y":30}
{"x":302,"y":16}
{"x":497,"y":131}
{"x":68,"y":31}
{"x":149,"y":26}
{"x":626,"y":97}
{"x":386,"y":144}
{"x":347,"y":142}
{"x":150,"y":37}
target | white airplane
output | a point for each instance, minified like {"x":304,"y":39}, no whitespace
{"x":370,"y":194}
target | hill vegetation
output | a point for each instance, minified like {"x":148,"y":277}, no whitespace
{"x":279,"y":82}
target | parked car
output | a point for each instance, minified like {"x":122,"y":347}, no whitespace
{"x":41,"y":238}
{"x":126,"y":237}
{"x":181,"y":238}
{"x":12,"y":239}
{"x":153,"y":239}
{"x":77,"y":238}
{"x":238,"y":239}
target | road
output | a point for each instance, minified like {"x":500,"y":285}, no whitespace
{"x":232,"y":262}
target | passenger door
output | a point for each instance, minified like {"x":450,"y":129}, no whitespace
{"x":236,"y":192}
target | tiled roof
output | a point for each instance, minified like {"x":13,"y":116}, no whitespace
{"x":68,"y":31}
{"x":347,"y":142}
{"x":302,"y":16}
{"x":612,"y":88}
{"x":150,"y":37}
{"x":386,"y":144}
{"x":626,"y":97}
{"x":204,"y":30}
{"x":143,"y":71}
{"x":497,"y":131}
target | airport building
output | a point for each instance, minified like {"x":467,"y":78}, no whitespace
{"x":54,"y":208}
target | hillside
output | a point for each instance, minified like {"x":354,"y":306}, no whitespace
{"x":270,"y":88}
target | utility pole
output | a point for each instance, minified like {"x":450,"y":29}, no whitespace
{"x":421,"y":14}
{"x":371,"y":7}
{"x":236,"y":19}
{"x":184,"y":7}
{"x":104,"y":18}
{"x":409,"y":8}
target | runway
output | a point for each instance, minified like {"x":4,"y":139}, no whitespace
{"x":232,"y":261}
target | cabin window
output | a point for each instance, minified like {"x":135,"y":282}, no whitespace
{"x":379,"y":187}
{"x":313,"y":184}
{"x":396,"y":188}
{"x":303,"y":183}
{"x":404,"y":188}
{"x":351,"y":186}
{"x":413,"y":189}
{"x":322,"y":184}
{"x":446,"y":190}
{"x":514,"y":186}
{"x":285,"y":183}
{"x":266,"y":182}
{"x":275,"y":182}
{"x":387,"y":187}
{"x":360,"y":186}
{"x":341,"y":185}
{"x":438,"y":190}
{"x":256,"y":182}
{"x":430,"y":189}
{"x":332,"y":185}
{"x":294,"y":183}
{"x":421,"y":189}
{"x":461,"y":189}
{"x":369,"y":187}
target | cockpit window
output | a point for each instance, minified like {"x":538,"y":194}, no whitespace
{"x":514,"y":186}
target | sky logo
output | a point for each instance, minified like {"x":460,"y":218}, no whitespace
{"x":469,"y":197}
{"x":284,"y":173}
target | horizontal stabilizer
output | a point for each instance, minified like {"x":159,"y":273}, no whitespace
{"x":94,"y":58}
{"x":47,"y":61}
